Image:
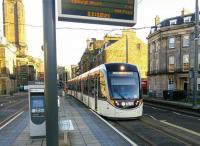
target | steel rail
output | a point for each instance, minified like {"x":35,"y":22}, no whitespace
{"x":140,"y":139}
{"x":173,"y":132}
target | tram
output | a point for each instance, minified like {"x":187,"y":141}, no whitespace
{"x":112,"y":90}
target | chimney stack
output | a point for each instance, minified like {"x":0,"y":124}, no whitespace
{"x":183,"y":12}
{"x":157,"y":20}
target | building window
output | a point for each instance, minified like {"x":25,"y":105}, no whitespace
{"x":151,"y":67}
{"x":138,"y":46}
{"x":171,"y":84}
{"x":152,"y":30}
{"x":186,"y":41}
{"x":187,"y":19}
{"x":171,"y":64}
{"x":152,"y":47}
{"x":173,"y":22}
{"x":158,"y":26}
{"x":198,"y":84}
{"x":157,"y":46}
{"x":171,"y":42}
{"x":186,"y":62}
{"x":171,"y":81}
{"x":157,"y":62}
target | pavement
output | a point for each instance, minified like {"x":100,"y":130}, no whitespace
{"x":88,"y":129}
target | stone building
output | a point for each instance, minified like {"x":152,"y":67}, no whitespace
{"x":8,"y":82}
{"x":171,"y":54}
{"x":27,"y":67}
{"x":75,"y":71}
{"x":14,"y":25}
{"x":115,"y":51}
{"x":61,"y":76}
{"x":88,"y":58}
{"x":14,"y":31}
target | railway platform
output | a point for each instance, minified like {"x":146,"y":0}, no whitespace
{"x":88,"y":129}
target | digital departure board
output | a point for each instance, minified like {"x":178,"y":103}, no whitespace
{"x":111,"y":12}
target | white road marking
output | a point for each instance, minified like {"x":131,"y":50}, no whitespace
{"x":121,"y":134}
{"x":163,"y":110}
{"x":181,"y":128}
{"x":177,"y":113}
{"x":188,"y":116}
{"x":11,"y":120}
{"x":150,"y":116}
{"x":154,"y":108}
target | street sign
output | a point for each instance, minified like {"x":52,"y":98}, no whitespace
{"x":111,"y":12}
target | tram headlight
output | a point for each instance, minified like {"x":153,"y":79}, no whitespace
{"x":137,"y":102}
{"x":123,"y":103}
{"x":122,"y":68}
{"x":117,"y":103}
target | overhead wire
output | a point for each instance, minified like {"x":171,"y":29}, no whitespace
{"x":81,"y":28}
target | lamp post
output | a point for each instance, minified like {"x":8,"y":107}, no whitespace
{"x":196,"y":31}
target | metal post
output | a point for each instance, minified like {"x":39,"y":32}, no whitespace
{"x":196,"y":52}
{"x":50,"y":72}
{"x":126,"y":49}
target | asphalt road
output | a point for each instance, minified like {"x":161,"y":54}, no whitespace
{"x":12,"y":104}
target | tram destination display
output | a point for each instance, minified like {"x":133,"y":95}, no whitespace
{"x":111,"y":12}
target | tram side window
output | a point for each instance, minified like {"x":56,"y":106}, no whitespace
{"x":75,"y":86}
{"x":78,"y":86}
{"x":85,"y":88}
{"x":72,"y":86}
{"x":102,"y":87}
{"x":96,"y":90}
{"x":79,"y":83}
{"x":91,"y":86}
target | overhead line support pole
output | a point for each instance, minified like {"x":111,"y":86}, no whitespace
{"x":196,"y":68}
{"x":49,"y":24}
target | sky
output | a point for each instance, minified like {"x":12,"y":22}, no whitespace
{"x":71,"y":43}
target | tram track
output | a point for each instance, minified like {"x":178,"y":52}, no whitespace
{"x":181,"y":135}
{"x":10,"y":119}
{"x":151,"y":132}
{"x":13,"y":110}
{"x":139,"y":139}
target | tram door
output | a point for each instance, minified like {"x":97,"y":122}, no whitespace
{"x":96,"y":92}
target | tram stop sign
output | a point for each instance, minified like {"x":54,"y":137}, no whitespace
{"x":110,"y":12}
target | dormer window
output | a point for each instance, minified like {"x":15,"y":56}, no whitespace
{"x":158,"y":27}
{"x":187,"y":19}
{"x":152,"y":30}
{"x":173,"y":22}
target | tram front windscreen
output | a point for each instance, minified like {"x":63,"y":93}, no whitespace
{"x":124,"y":85}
